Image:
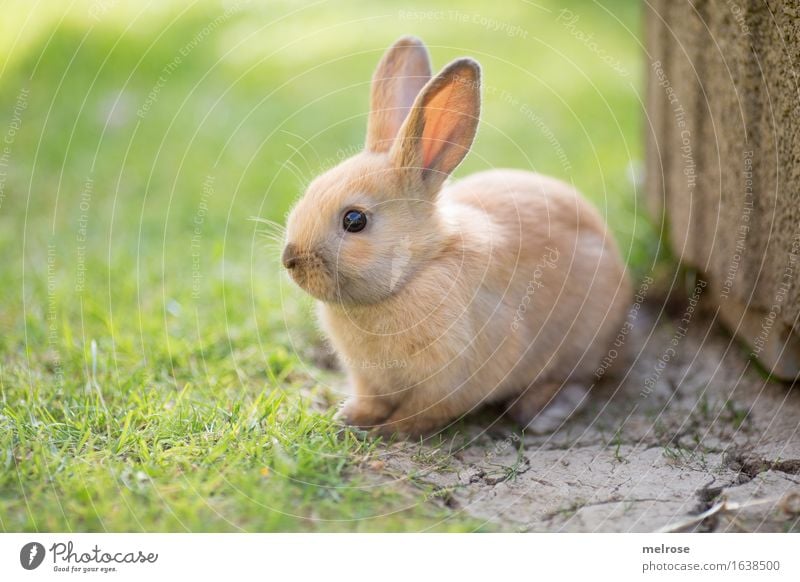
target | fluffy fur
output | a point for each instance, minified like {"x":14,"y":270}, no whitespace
{"x":503,"y":287}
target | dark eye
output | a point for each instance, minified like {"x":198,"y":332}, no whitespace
{"x":354,"y":221}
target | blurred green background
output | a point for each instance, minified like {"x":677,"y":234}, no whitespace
{"x":157,"y":370}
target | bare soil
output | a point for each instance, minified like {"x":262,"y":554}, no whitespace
{"x":712,"y":434}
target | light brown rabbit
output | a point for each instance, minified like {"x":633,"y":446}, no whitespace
{"x":502,"y":287}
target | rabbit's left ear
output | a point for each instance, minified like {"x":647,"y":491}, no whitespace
{"x":401,"y":74}
{"x":442,"y":124}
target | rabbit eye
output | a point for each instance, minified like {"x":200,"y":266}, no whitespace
{"x":354,"y":221}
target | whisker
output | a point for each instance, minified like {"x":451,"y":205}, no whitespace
{"x":277,"y":244}
{"x":276,"y":226}
{"x":265,"y":236}
{"x":279,"y":236}
{"x":271,"y":233}
{"x":272,"y":247}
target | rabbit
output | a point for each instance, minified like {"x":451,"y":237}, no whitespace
{"x":503,"y":287}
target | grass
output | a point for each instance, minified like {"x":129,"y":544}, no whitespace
{"x":156,"y":368}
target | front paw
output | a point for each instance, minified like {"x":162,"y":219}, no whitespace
{"x":366,"y":413}
{"x":407,"y":427}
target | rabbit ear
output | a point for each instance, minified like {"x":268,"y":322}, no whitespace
{"x":401,"y":74}
{"x":441,"y":126}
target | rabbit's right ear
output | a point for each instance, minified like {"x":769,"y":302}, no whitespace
{"x":441,"y":126}
{"x":403,"y":71}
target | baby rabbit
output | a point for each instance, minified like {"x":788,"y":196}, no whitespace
{"x":502,"y":287}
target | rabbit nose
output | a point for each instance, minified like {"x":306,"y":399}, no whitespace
{"x":290,"y":256}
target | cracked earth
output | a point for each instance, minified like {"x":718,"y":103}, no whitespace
{"x":711,"y":446}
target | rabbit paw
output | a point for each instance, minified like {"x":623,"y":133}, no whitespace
{"x":404,"y":425}
{"x":544,"y":409}
{"x":363,"y":413}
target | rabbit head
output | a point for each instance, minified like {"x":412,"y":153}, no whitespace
{"x":363,"y":228}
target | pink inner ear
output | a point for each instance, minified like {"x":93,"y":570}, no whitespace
{"x":442,"y":115}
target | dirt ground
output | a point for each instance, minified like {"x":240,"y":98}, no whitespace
{"x":710,"y":434}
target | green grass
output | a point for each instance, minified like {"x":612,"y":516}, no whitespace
{"x":156,"y":368}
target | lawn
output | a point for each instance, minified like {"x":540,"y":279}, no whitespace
{"x":158,"y":372}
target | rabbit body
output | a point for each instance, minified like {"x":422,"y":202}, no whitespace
{"x":504,"y":286}
{"x":526,"y":295}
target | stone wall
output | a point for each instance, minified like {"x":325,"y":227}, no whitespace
{"x":723,"y":159}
